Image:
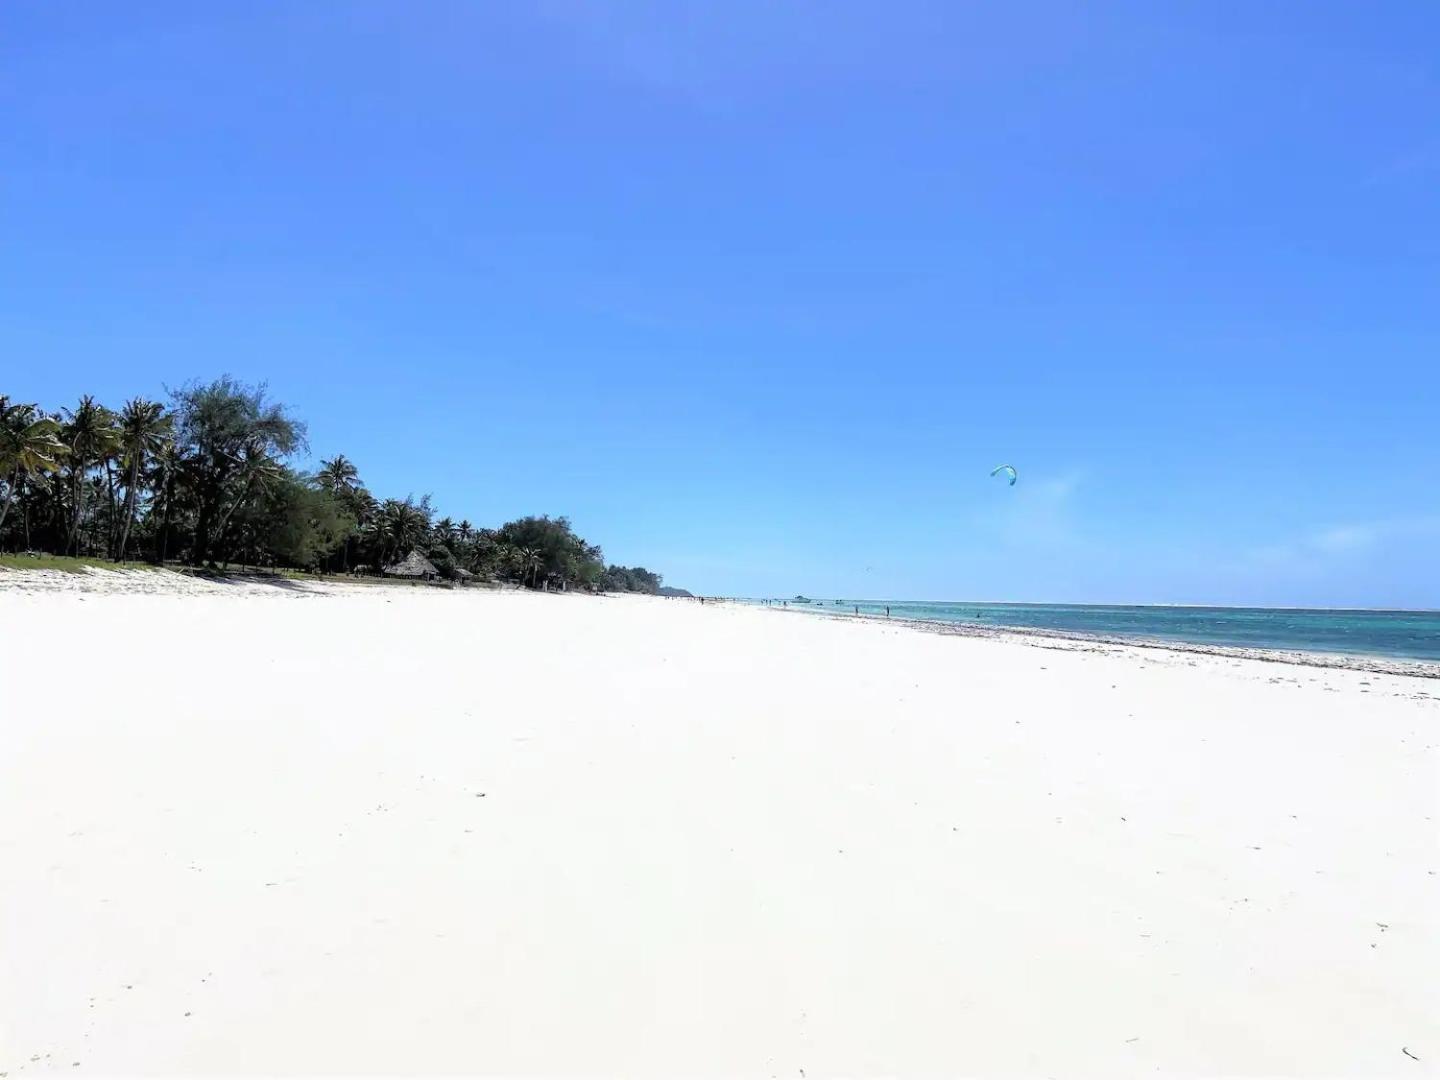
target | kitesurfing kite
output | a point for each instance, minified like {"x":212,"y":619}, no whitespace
{"x":1007,"y":469}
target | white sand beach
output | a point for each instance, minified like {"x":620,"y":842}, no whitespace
{"x":249,"y":829}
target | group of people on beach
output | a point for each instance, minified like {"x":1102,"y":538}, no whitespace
{"x":786,"y":603}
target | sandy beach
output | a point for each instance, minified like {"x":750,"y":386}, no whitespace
{"x":255,"y":829}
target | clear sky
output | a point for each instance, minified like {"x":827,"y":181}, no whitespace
{"x":759,"y":291}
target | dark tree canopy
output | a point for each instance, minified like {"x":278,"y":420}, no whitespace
{"x":230,"y":442}
{"x":631,"y":579}
{"x":210,"y":479}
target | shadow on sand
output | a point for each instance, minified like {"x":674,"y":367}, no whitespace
{"x":243,"y":577}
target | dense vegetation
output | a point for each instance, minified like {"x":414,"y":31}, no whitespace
{"x":205,"y":479}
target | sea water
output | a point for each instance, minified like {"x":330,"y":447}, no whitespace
{"x":1413,"y":635}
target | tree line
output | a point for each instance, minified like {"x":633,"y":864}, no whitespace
{"x":205,"y":479}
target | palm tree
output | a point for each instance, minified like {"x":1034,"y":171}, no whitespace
{"x":144,"y":432}
{"x":30,"y":446}
{"x":338,"y":475}
{"x":400,"y":527}
{"x":364,"y":508}
{"x":531,"y":559}
{"x":257,"y":471}
{"x":163,"y":476}
{"x":466,"y":530}
{"x":89,"y":434}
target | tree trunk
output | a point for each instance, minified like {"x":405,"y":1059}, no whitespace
{"x":9,"y":495}
{"x":112,"y":525}
{"x":162,"y":544}
{"x":131,"y":482}
{"x":77,"y":487}
{"x":225,"y":520}
{"x":201,"y":548}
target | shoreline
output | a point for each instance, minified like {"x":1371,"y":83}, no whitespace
{"x":156,"y":580}
{"x":1078,"y":639}
{"x":822,"y":600}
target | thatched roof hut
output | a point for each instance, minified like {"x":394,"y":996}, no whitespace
{"x":463,"y":576}
{"x":413,"y":565}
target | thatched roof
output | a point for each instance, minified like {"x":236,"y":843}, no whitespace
{"x":463,"y":574}
{"x":413,"y":565}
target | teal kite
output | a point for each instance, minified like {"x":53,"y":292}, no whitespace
{"x":1010,"y":469}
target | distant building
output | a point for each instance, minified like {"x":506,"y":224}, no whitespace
{"x":414,"y":566}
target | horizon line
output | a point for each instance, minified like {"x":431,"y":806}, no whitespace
{"x":1097,"y":603}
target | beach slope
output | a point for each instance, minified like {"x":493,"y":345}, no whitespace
{"x":265,"y":829}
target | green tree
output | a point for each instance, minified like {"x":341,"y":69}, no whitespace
{"x":338,"y":475}
{"x":30,"y":447}
{"x":231,"y":438}
{"x":630,"y":579}
{"x":363,"y":509}
{"x":164,"y":482}
{"x":484,"y":556}
{"x":90,"y":436}
{"x":300,"y":522}
{"x":145,"y":431}
{"x":210,"y":479}
{"x":548,"y":551}
{"x":341,"y":479}
{"x":400,"y":527}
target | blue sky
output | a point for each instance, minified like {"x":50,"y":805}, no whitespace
{"x":759,"y":292}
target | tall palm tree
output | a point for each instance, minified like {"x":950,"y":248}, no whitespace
{"x":145,"y":430}
{"x":30,"y":446}
{"x":164,"y":473}
{"x":466,"y":530}
{"x":531,"y":559}
{"x":400,"y":527}
{"x":338,"y":475}
{"x":364,"y":508}
{"x":90,"y":436}
{"x":258,"y":472}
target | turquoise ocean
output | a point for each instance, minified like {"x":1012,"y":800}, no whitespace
{"x":1409,"y":635}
